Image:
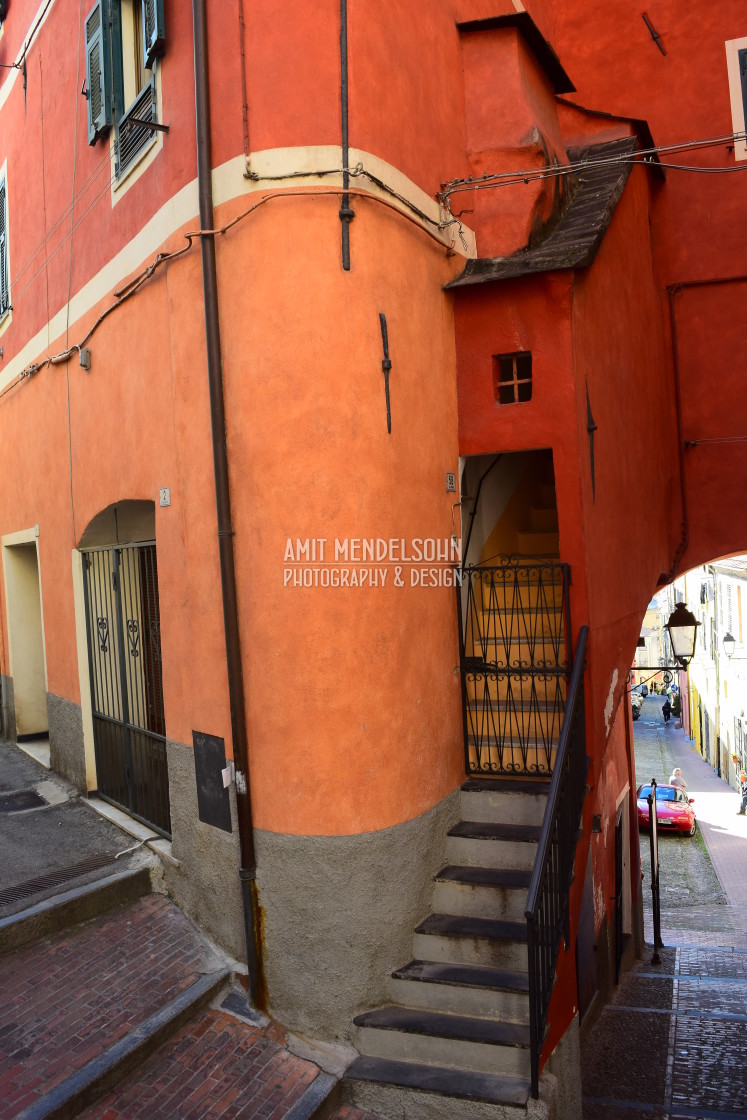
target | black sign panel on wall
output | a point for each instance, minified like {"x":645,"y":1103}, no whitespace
{"x":213,"y":804}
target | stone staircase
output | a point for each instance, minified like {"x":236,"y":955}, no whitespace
{"x":454,"y":1041}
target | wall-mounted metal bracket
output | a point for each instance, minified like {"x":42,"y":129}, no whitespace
{"x":149,"y":124}
{"x":386,"y":366}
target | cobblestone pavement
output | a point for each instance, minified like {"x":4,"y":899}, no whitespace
{"x":672,"y":1043}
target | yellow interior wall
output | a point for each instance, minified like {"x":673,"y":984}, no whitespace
{"x":503,"y":539}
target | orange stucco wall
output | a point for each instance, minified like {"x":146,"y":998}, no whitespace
{"x":353,"y":701}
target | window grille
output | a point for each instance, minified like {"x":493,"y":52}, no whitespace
{"x":512,"y":377}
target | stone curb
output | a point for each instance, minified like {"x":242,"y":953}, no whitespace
{"x":73,"y":906}
{"x":85,"y":1086}
{"x":315,"y":1103}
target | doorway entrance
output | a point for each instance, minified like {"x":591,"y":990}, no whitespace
{"x":26,"y":634}
{"x":123,"y":633}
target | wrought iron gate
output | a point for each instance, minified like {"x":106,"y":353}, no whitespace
{"x":124,"y":656}
{"x":516,"y":656}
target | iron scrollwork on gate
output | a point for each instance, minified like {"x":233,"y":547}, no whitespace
{"x":515,"y":661}
{"x":122,"y":604}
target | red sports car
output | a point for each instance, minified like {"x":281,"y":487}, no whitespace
{"x":674,"y":809}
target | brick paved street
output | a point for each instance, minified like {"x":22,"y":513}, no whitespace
{"x":672,"y":1043}
{"x":216,"y":1067}
{"x":137,"y":988}
{"x":62,"y":995}
{"x":68,"y":998}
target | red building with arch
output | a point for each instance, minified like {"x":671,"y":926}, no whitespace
{"x":284,"y":332}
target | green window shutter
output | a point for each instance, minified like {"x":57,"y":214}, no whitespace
{"x":4,"y":279}
{"x":98,"y":78}
{"x":154,"y":31}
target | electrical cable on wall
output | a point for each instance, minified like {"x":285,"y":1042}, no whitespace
{"x":454,"y":186}
{"x":134,"y":285}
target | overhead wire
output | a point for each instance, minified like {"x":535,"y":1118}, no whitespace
{"x":75,"y":224}
{"x":64,"y":214}
{"x":638,"y":156}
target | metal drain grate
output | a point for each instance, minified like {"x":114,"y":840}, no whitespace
{"x":63,"y":875}
{"x":20,"y":800}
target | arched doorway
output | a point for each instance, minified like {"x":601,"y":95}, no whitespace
{"x":123,"y":636}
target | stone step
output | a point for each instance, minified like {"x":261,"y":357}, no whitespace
{"x":516,"y":621}
{"x":511,"y":621}
{"x":520,"y":588}
{"x":426,"y":1092}
{"x":481,"y":892}
{"x":543,"y":654}
{"x":515,"y":719}
{"x":487,"y":756}
{"x":71,"y":1095}
{"x":434,"y":1038}
{"x":73,"y":906}
{"x":504,"y":802}
{"x":484,"y":685}
{"x":466,"y":989}
{"x":544,"y":518}
{"x":540,"y":544}
{"x":146,"y":970}
{"x":465,"y":940}
{"x":486,"y":844}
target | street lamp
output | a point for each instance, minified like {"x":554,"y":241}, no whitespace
{"x":729,"y":644}
{"x":682,"y":627}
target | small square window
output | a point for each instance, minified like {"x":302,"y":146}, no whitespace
{"x":512,"y":377}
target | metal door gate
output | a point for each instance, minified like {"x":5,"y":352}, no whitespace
{"x":124,"y":656}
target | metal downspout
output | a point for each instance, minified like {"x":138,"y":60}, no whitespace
{"x":247,"y":869}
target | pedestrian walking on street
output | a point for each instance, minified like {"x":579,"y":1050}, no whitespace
{"x":743,"y":790}
{"x":666,"y":710}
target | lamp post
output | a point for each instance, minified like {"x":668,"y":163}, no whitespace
{"x":729,"y":643}
{"x":682,"y":627}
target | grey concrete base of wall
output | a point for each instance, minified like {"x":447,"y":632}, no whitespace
{"x":66,"y":750}
{"x":9,"y":708}
{"x":637,"y":922}
{"x":339,"y":914}
{"x":206,"y":882}
{"x":565,"y":1067}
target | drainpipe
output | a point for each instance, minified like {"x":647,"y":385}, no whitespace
{"x":247,"y":870}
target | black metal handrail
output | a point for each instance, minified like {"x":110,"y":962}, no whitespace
{"x":548,"y":912}
{"x":514,"y":627}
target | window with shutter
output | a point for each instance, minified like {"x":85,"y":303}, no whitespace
{"x":154,"y":34}
{"x":98,"y":71}
{"x":123,"y":40}
{"x":4,"y":273}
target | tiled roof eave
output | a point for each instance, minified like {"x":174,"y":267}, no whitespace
{"x":575,"y":239}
